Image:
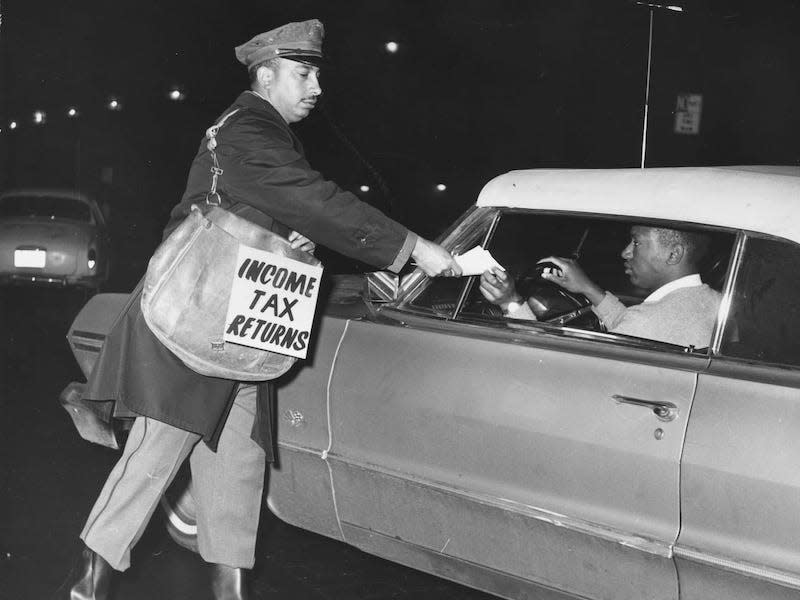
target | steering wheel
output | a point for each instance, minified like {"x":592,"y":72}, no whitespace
{"x":580,"y":305}
{"x":553,"y":304}
{"x":548,"y":301}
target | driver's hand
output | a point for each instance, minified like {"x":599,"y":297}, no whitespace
{"x":498,"y":288}
{"x":573,"y":278}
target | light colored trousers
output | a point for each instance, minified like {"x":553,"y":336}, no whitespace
{"x":227,"y":486}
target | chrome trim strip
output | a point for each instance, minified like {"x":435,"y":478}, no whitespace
{"x":500,"y":583}
{"x":552,"y":337}
{"x":630,"y":540}
{"x":727,"y":294}
{"x":474,"y":217}
{"x":467,"y":289}
{"x":738,"y":566}
{"x":299,"y":449}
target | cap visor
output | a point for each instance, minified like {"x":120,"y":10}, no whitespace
{"x":314,"y":61}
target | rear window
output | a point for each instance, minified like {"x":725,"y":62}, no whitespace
{"x":764,"y":318}
{"x":48,"y":207}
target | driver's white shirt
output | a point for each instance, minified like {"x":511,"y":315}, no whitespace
{"x":686,"y":281}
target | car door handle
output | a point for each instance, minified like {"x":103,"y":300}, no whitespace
{"x":665,"y":411}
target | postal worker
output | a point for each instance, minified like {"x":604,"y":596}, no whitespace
{"x":223,"y":427}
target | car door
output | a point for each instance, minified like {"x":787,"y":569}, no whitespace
{"x":499,"y":455}
{"x":740,"y":482}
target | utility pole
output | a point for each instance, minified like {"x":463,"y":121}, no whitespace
{"x":651,"y":6}
{"x":6,"y":134}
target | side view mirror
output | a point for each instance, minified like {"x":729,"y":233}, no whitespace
{"x":381,"y":286}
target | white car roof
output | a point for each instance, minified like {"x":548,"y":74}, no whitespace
{"x":765,"y":199}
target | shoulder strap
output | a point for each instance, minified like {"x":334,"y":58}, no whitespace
{"x":211,"y":136}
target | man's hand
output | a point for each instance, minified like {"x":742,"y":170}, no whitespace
{"x":434,"y":260}
{"x":301,"y":242}
{"x":573,"y":278}
{"x":498,"y":288}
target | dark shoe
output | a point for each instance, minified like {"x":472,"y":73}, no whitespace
{"x":227,"y":583}
{"x":92,"y":578}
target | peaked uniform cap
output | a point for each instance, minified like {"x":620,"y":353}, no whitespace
{"x":300,"y":41}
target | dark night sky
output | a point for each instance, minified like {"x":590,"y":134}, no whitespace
{"x":478,"y":88}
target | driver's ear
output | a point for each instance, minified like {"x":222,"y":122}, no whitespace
{"x":676,"y":254}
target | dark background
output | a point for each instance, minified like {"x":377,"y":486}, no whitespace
{"x":476,"y":89}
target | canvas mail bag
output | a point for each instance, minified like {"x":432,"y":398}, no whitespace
{"x":188,"y":282}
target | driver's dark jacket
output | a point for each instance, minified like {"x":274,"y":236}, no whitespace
{"x":267,"y":180}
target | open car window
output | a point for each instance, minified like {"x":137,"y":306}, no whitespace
{"x":519,"y":239}
{"x":441,"y":296}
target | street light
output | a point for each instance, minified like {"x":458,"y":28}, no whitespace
{"x":176,"y":95}
{"x":114,"y":104}
{"x":672,"y":7}
{"x":391,"y":47}
{"x":12,"y":125}
{"x":364,"y":188}
{"x":72,"y":112}
{"x":440,"y":187}
{"x":39,"y":117}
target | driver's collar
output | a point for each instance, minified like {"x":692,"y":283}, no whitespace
{"x":686,"y":281}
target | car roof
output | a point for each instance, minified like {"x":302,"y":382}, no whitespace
{"x":765,"y":199}
{"x":57,"y":192}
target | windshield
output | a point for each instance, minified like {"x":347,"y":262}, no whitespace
{"x":48,"y":207}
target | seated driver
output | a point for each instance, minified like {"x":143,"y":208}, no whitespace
{"x":680,"y":309}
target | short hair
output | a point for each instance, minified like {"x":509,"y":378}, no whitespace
{"x":270,"y":63}
{"x":695,"y":243}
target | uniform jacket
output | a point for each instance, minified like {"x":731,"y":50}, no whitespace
{"x":266,"y":179}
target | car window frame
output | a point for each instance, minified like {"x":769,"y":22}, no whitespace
{"x":454,"y":238}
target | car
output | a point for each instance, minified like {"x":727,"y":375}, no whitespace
{"x":553,"y":458}
{"x":53,"y":237}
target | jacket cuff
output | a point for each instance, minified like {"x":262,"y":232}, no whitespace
{"x":609,"y":309}
{"x":405,"y":253}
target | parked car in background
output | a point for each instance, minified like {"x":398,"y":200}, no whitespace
{"x":551,"y":458}
{"x":53,"y":237}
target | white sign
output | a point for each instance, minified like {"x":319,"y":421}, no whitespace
{"x":273,"y":299}
{"x":687,"y":113}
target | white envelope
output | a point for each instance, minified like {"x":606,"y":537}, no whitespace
{"x":476,"y":261}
